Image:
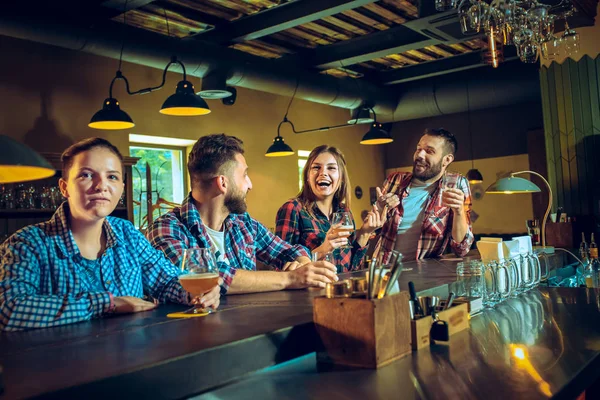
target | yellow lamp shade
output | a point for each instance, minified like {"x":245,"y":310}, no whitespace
{"x":20,"y":163}
{"x":111,"y":117}
{"x":185,"y":102}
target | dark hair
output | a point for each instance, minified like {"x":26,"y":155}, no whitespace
{"x":451,"y":143}
{"x":342,"y":195}
{"x":84,"y":145}
{"x":213,"y":155}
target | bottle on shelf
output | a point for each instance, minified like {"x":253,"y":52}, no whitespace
{"x":593,"y":248}
{"x":583,"y":249}
{"x":594,"y":263}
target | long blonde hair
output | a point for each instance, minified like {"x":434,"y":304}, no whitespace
{"x":342,"y":195}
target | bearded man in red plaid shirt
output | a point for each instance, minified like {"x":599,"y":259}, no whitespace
{"x":430,"y":207}
{"x":214,"y":216}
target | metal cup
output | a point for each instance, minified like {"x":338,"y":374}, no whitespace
{"x":428,"y":303}
{"x":338,"y":289}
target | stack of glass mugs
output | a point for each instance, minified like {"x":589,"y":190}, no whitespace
{"x":497,"y":281}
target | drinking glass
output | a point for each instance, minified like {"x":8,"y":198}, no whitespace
{"x":325,"y":256}
{"x":470,"y":278}
{"x":200,"y":274}
{"x":342,"y":222}
{"x":322,"y":256}
{"x":504,"y":282}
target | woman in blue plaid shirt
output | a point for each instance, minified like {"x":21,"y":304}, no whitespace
{"x":82,"y":263}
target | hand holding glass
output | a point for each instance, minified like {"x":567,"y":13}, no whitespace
{"x":342,"y":222}
{"x":200,"y":274}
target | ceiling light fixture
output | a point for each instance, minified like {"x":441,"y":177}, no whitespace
{"x":20,"y":163}
{"x":214,"y":86}
{"x":279,"y":148}
{"x":184,"y":102}
{"x":375,"y":135}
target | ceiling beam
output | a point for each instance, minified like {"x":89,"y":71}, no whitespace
{"x":412,"y":35}
{"x":118,"y":6}
{"x":277,"y":19}
{"x":438,"y":67}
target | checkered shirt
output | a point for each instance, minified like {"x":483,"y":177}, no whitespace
{"x":296,"y":226}
{"x":436,"y":231}
{"x":45,"y":281}
{"x":246,"y":240}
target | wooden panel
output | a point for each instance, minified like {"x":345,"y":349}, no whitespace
{"x":571,"y":104}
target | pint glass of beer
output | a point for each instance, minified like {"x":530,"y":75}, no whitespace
{"x":200,"y":273}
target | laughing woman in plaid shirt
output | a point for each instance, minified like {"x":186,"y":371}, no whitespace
{"x":325,"y":190}
{"x":435,"y":207}
{"x":82,"y":263}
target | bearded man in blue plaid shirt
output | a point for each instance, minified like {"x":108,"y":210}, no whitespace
{"x":214,"y":216}
{"x":82,"y":263}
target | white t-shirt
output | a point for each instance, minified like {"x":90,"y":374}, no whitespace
{"x":218,"y":240}
{"x":409,"y":231}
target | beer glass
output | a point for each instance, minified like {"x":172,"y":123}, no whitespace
{"x":200,"y":274}
{"x":470,"y":278}
{"x":342,"y":222}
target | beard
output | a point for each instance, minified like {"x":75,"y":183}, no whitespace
{"x":235,"y":202}
{"x":431,"y":171}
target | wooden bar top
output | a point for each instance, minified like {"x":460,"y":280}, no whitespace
{"x":149,"y":355}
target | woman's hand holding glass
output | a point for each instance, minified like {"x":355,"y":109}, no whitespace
{"x":200,"y":278}
{"x":336,"y":237}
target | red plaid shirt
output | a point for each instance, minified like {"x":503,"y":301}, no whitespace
{"x":246,"y":240}
{"x":436,"y":230}
{"x":296,"y":226}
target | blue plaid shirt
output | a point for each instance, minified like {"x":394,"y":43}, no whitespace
{"x":45,"y":281}
{"x":246,"y":240}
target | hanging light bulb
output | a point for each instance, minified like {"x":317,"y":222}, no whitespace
{"x":376,"y":135}
{"x":111,"y":117}
{"x":474,"y":176}
{"x":185,"y":102}
{"x":279,"y":148}
{"x":20,"y":163}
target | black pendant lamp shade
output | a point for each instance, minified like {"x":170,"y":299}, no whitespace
{"x":20,"y":163}
{"x":376,"y":135}
{"x":111,"y":117}
{"x":185,"y":102}
{"x":474,"y":176}
{"x":279,"y":148}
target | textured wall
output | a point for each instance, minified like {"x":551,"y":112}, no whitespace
{"x":571,"y":104}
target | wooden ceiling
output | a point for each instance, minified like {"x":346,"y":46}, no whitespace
{"x":384,"y":42}
{"x":203,"y":19}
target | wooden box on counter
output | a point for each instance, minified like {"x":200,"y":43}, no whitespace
{"x":560,"y":234}
{"x":363,"y":333}
{"x":456,"y":316}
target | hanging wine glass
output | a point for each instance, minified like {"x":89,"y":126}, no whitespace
{"x":467,"y":27}
{"x":570,"y":39}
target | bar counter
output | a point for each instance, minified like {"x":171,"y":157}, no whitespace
{"x":544,"y":344}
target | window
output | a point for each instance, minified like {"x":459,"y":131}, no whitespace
{"x":166,"y":167}
{"x":302,"y":159}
